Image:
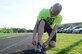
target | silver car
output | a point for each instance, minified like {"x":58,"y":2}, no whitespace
{"x":78,"y":30}
{"x":73,"y":28}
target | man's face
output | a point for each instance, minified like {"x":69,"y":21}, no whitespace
{"x":54,"y":11}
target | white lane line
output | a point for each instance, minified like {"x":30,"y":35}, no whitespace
{"x":12,"y":45}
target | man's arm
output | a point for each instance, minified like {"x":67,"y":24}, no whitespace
{"x":52,"y":33}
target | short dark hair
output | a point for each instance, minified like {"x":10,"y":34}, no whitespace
{"x":57,"y":6}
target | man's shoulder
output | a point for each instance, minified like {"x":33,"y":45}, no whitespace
{"x":43,"y":13}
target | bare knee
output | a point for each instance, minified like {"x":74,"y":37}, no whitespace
{"x":52,"y":43}
{"x":42,"y":23}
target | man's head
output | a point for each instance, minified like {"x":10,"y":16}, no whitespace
{"x":55,"y":9}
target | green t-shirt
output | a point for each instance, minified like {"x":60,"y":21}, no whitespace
{"x":45,"y":14}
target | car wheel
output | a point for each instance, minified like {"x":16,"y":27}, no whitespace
{"x":80,"y":32}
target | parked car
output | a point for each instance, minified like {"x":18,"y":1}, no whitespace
{"x":60,"y":30}
{"x":78,"y":30}
{"x":72,"y":28}
{"x":65,"y":29}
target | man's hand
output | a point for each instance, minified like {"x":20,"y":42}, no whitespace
{"x":33,"y":41}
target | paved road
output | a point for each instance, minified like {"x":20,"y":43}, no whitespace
{"x":17,"y":45}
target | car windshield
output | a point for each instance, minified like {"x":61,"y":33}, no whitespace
{"x":80,"y":28}
{"x":76,"y":27}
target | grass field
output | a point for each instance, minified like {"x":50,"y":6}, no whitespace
{"x":10,"y":35}
{"x":66,"y":44}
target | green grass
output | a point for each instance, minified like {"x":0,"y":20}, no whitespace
{"x":66,"y":44}
{"x":10,"y":35}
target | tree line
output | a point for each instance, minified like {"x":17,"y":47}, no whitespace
{"x":14,"y":30}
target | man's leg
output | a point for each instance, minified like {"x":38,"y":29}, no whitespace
{"x":48,"y":29}
{"x":52,"y":43}
{"x":40,"y":30}
{"x":38,"y":48}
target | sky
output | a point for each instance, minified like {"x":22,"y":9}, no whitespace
{"x":23,"y":13}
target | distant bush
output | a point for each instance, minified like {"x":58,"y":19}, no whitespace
{"x":14,"y":30}
{"x":5,"y":30}
{"x":29,"y":30}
